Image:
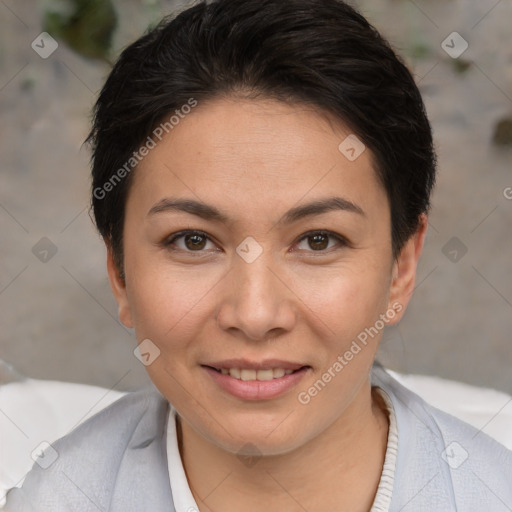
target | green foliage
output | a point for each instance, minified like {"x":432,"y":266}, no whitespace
{"x":503,"y":132}
{"x":86,"y":26}
{"x":460,"y":65}
{"x":419,"y":50}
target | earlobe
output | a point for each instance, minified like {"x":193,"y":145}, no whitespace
{"x":404,"y":268}
{"x":118,"y":286}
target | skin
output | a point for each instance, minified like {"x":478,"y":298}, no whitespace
{"x":255,"y":160}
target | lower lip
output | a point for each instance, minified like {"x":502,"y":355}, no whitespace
{"x":256,"y":389}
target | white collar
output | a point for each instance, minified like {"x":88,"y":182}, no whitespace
{"x":182,"y":495}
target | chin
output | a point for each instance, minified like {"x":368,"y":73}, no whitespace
{"x":251,"y":438}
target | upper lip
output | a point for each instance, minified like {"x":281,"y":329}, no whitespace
{"x":265,"y":364}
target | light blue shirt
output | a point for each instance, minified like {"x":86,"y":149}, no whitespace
{"x":117,"y":462}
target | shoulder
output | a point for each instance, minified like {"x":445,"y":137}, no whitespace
{"x":443,"y":461}
{"x":101,"y":458}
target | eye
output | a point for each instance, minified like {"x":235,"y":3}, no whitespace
{"x":197,"y":241}
{"x":189,"y":241}
{"x":318,"y":241}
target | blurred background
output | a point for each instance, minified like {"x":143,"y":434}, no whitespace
{"x":57,"y":315}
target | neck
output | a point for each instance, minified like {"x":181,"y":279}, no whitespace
{"x":314,"y":477}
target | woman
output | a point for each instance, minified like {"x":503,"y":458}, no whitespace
{"x":262,"y":172}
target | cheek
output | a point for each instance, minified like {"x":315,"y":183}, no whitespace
{"x":166,"y":303}
{"x":346,"y":300}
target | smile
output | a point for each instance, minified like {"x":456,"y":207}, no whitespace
{"x":250,"y":374}
{"x":256,"y":384}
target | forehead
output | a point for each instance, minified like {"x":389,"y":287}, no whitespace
{"x":257,"y":153}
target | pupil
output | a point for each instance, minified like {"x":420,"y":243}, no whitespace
{"x":318,"y":242}
{"x":194,"y":241}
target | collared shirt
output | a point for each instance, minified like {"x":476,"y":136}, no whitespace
{"x":117,"y":462}
{"x":182,"y":495}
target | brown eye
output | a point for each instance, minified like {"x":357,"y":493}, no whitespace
{"x":319,"y":241}
{"x":189,"y":241}
{"x":195,"y":242}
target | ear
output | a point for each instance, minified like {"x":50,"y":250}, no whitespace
{"x":118,"y":285}
{"x":404,"y":270}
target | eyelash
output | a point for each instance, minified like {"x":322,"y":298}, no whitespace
{"x":170,"y":240}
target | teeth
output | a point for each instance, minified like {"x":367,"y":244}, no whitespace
{"x":264,"y":374}
{"x":235,"y":372}
{"x":247,"y":374}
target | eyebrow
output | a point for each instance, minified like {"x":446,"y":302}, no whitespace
{"x":211,"y":213}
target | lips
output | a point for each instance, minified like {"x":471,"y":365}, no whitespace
{"x":256,"y":380}
{"x":246,"y":370}
{"x":266,"y":364}
{"x":250,"y":374}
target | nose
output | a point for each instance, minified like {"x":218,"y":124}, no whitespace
{"x":256,"y":301}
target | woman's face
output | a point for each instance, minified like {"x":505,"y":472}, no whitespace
{"x":252,"y":278}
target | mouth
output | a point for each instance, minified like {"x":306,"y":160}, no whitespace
{"x":256,"y":381}
{"x":248,"y":374}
